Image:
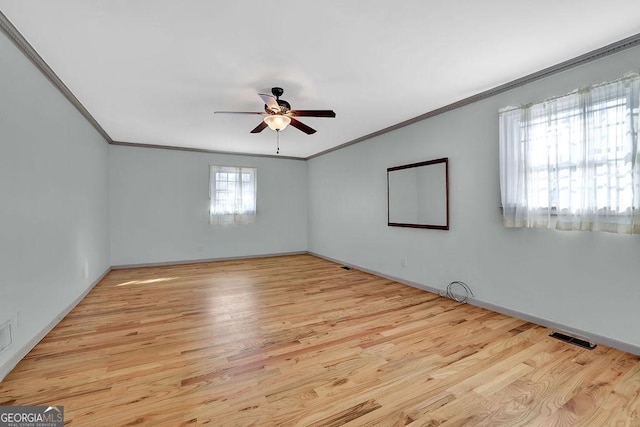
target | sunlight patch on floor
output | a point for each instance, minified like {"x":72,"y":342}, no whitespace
{"x":148,"y":281}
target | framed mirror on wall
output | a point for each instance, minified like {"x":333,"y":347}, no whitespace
{"x":418,"y":195}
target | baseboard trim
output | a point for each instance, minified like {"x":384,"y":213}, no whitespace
{"x":383,"y":275}
{"x":198,"y":261}
{"x":8,"y":366}
{"x":13,"y":361}
{"x":585,"y":335}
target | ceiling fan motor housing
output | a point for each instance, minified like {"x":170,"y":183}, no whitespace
{"x":284,"y":104}
{"x":284,"y":107}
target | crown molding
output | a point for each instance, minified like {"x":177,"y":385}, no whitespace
{"x":203,"y":150}
{"x":610,"y":49}
{"x":21,"y":43}
{"x":18,"y":39}
{"x":14,"y":35}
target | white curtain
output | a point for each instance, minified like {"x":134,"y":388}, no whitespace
{"x":572,"y":162}
{"x":232,"y":195}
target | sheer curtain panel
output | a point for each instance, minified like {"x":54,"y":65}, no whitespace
{"x":571,"y":162}
{"x":232,"y":195}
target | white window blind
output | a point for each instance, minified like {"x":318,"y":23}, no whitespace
{"x":232,"y":194}
{"x":571,"y":163}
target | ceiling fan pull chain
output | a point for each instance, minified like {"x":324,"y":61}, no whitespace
{"x":278,"y":141}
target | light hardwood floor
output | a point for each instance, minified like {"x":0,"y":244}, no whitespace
{"x":298,"y":340}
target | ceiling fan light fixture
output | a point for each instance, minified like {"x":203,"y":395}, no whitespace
{"x":277,"y":122}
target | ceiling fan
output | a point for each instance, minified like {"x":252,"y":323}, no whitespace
{"x":278,"y":114}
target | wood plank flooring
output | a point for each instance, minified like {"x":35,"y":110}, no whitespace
{"x":298,"y":340}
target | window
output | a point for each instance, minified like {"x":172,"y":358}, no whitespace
{"x":232,"y":194}
{"x":571,"y":162}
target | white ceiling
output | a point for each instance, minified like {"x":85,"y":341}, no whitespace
{"x":154,"y":71}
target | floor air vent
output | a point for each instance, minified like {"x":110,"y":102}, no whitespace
{"x":5,"y":336}
{"x":573,"y":340}
{"x":346,"y":267}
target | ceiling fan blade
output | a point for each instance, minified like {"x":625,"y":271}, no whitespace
{"x":269,"y":101}
{"x":239,"y":112}
{"x":304,"y":128}
{"x":312,"y":113}
{"x":259,"y":128}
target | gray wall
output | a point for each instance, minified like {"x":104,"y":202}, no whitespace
{"x":72,"y":206}
{"x":585,"y":281}
{"x":160,"y":207}
{"x":55,"y":231}
{"x":54,"y":209}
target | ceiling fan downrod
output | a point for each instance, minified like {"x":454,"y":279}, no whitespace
{"x":277,"y":92}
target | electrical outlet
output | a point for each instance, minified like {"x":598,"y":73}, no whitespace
{"x":6,"y":335}
{"x":403,"y":261}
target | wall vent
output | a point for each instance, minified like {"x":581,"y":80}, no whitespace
{"x":5,"y":336}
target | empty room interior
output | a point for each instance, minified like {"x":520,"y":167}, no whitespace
{"x":325,"y":214}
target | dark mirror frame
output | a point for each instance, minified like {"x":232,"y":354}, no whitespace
{"x":444,"y":226}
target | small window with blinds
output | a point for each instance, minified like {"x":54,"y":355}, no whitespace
{"x":232,"y":195}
